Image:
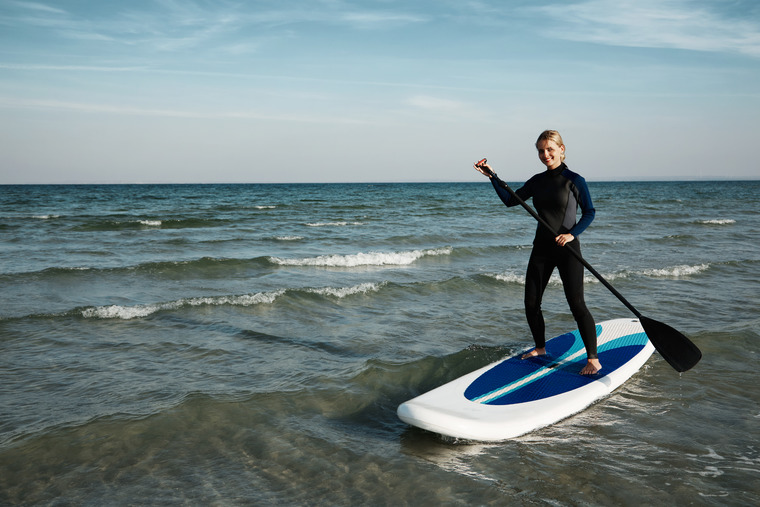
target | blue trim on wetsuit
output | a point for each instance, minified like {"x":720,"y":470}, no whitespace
{"x":557,"y":194}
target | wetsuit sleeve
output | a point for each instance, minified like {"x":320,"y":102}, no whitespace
{"x":587,"y":207}
{"x":505,"y":196}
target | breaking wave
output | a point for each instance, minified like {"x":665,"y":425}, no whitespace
{"x":363,"y":259}
{"x":333,"y":224}
{"x":717,"y":221}
{"x":670,"y":272}
{"x":142,"y":311}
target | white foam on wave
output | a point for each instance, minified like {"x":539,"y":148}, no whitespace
{"x":554,"y":280}
{"x":45,"y":217}
{"x":676,"y":271}
{"x":363,"y":259}
{"x":333,"y":224}
{"x":510,"y":278}
{"x":288,"y":238}
{"x":341,"y":292}
{"x":265,"y":207}
{"x":670,"y":272}
{"x":122,"y":312}
{"x":718,"y":221}
{"x":151,"y":223}
{"x":140,"y":311}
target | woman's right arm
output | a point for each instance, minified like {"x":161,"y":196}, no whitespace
{"x":504,"y":195}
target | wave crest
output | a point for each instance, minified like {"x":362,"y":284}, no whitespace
{"x":717,"y":221}
{"x":341,"y":292}
{"x":333,"y":224}
{"x":676,"y":271}
{"x":363,"y":259}
{"x":670,"y":272}
{"x":142,"y":311}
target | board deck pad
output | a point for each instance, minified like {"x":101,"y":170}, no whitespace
{"x":514,"y":396}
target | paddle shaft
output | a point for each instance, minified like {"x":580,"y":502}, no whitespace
{"x":572,"y":250}
{"x":672,"y":345}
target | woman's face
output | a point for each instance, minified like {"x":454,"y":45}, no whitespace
{"x":550,"y":153}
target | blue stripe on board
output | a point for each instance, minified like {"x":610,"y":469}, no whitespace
{"x":515,"y":370}
{"x":517,"y":381}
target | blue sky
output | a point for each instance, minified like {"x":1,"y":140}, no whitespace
{"x":384,"y":90}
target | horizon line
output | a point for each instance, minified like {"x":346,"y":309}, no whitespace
{"x":411,"y":182}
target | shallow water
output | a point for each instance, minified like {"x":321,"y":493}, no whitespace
{"x":249,"y":344}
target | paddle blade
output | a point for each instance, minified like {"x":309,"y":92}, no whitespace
{"x":677,"y":350}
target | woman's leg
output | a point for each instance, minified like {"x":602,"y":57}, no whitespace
{"x":539,"y":271}
{"x":571,"y":272}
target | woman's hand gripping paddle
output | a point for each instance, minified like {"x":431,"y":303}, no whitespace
{"x":673,"y":346}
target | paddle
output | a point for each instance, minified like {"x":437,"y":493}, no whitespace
{"x":677,"y":350}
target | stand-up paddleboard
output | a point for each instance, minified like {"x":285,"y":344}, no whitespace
{"x":514,"y":396}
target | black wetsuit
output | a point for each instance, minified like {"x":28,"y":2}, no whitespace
{"x":556,"y":193}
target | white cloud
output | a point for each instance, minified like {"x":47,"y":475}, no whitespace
{"x":35,"y":6}
{"x":95,"y":108}
{"x":69,"y":68}
{"x":672,"y":24}
{"x":374,"y":19}
{"x":434,"y":103}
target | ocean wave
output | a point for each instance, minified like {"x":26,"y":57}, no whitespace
{"x":333,"y":224}
{"x":717,"y":221}
{"x":288,"y":238}
{"x":510,"y":278}
{"x":363,"y":259}
{"x":341,"y":292}
{"x":142,"y":311}
{"x":670,"y":272}
{"x":139,"y":311}
{"x":554,"y":280}
{"x":214,"y":267}
{"x":192,"y":267}
{"x":141,"y":223}
{"x":676,"y":271}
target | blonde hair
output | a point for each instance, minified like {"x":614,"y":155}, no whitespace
{"x":551,"y":135}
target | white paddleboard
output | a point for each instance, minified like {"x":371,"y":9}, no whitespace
{"x":513,"y":396}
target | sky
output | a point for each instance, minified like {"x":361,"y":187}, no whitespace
{"x":196,"y":91}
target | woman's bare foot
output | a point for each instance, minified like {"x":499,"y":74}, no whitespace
{"x":592,"y":366}
{"x":534,"y":353}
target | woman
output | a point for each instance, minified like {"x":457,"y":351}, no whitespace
{"x":556,"y":193}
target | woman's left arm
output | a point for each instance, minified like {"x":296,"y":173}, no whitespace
{"x":587,"y":207}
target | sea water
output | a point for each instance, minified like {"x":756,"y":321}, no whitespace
{"x":249,"y":344}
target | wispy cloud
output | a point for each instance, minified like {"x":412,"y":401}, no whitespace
{"x":379,"y":19}
{"x":49,"y":20}
{"x":70,"y":68}
{"x":35,"y":6}
{"x":672,"y":24}
{"x":173,"y":25}
{"x":435,"y":103}
{"x":442,"y":109}
{"x":111,"y":109}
